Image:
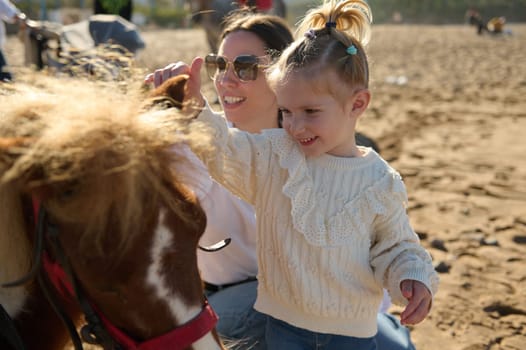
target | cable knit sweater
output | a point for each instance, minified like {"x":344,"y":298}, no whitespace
{"x":332,"y":231}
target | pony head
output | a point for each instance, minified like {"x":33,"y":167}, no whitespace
{"x":84,"y":149}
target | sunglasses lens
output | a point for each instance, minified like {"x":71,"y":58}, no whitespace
{"x":246,"y":67}
{"x":222,"y":63}
{"x":215,"y":65}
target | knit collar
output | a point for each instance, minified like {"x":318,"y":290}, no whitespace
{"x":299,"y":188}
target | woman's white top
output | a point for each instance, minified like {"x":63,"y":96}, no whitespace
{"x":227,"y":216}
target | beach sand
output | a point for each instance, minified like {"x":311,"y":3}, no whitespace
{"x":449,"y":113}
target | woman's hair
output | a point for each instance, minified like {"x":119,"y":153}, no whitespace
{"x":272,"y":30}
{"x":330,"y":37}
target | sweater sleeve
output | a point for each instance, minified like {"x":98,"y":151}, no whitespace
{"x":241,"y":158}
{"x":396,"y":252}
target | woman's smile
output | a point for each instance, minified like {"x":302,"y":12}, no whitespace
{"x":232,"y":101}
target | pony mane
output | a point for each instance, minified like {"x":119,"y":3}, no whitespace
{"x":64,"y":132}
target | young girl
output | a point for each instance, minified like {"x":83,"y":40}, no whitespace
{"x":331,"y":218}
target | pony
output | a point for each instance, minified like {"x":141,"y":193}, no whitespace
{"x":210,"y":14}
{"x":97,"y":216}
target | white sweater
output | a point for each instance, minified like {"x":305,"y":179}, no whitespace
{"x":332,"y":231}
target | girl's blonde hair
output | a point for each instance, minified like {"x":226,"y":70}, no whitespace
{"x":330,"y":37}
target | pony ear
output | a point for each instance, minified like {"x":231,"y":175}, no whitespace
{"x":7,"y":157}
{"x":169,"y":94}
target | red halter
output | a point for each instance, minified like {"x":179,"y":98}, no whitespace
{"x":181,"y":337}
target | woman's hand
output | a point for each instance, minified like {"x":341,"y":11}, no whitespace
{"x":419,"y":298}
{"x":193,"y":86}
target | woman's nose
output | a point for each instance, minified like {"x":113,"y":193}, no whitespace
{"x":228,"y":76}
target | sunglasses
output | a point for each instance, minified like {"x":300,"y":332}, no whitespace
{"x":245,"y":66}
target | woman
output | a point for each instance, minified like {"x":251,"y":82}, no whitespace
{"x":246,"y":100}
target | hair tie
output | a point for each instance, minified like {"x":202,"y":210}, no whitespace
{"x":330,"y":25}
{"x":310,"y":34}
{"x":352,"y":50}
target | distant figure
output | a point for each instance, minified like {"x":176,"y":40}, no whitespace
{"x":496,"y":25}
{"x":262,"y":5}
{"x":475,"y":19}
{"x":123,"y":8}
{"x":8,"y":13}
{"x":397,"y":17}
{"x":210,"y":14}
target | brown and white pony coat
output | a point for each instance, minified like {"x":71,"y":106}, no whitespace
{"x":109,"y":180}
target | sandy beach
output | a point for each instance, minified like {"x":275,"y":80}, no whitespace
{"x":449,"y":113}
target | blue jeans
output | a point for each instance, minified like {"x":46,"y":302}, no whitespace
{"x":392,"y":335}
{"x":283,"y":336}
{"x":238,"y":320}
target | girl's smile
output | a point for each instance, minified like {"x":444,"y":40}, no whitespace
{"x":307,"y":141}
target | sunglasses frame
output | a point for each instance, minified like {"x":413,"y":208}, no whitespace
{"x":214,"y":71}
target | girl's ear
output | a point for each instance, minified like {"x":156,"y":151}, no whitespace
{"x":361,"y":101}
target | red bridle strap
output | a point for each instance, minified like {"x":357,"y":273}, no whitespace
{"x":181,"y":337}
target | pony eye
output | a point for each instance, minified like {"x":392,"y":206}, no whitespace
{"x":70,"y":192}
{"x":65,"y":192}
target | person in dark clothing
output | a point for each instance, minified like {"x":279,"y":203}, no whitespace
{"x":9,"y":13}
{"x":475,"y":19}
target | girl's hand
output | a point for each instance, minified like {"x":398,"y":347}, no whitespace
{"x":419,"y":298}
{"x":193,"y":86}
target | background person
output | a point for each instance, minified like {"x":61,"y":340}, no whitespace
{"x":474,"y":18}
{"x":9,"y":13}
{"x":496,"y":25}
